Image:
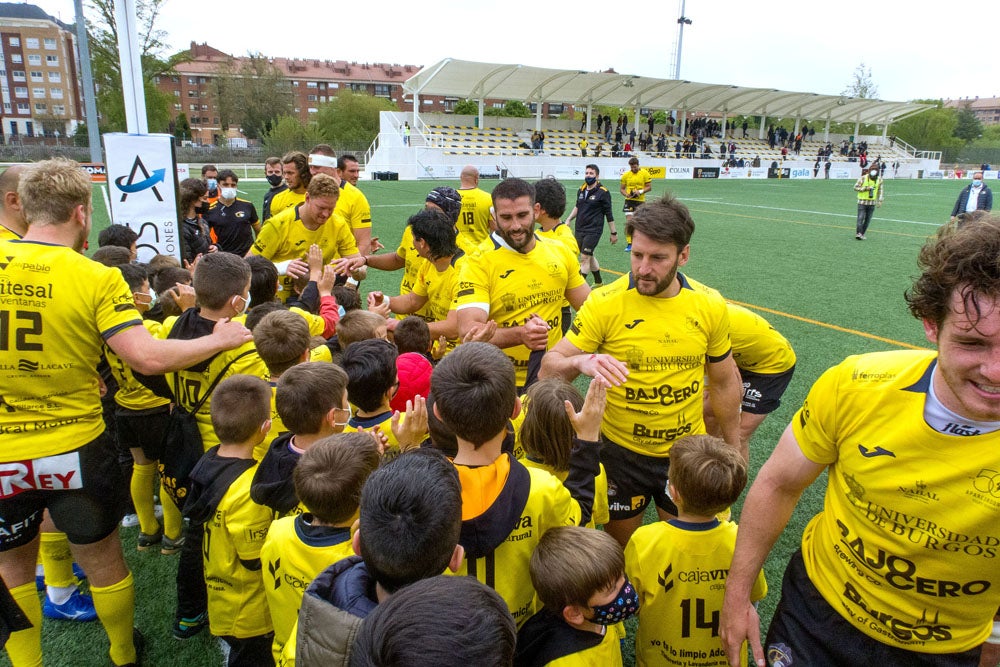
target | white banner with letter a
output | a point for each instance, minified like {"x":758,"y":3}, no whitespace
{"x":142,"y":184}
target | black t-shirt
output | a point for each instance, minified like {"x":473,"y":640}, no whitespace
{"x":592,"y":207}
{"x":233,"y":225}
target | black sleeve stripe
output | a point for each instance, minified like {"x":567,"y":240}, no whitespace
{"x":121,"y":327}
{"x":722,"y":357}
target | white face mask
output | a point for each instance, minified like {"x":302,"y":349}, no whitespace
{"x":246,"y":303}
{"x":228,"y":193}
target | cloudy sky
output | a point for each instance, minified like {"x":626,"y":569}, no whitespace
{"x":914,"y":50}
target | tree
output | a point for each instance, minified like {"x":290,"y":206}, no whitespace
{"x":107,"y":69}
{"x":931,"y":130}
{"x":467,"y":107}
{"x":251,"y":93}
{"x":967,"y":126}
{"x":352,"y":118}
{"x":862,"y":84}
{"x":287,"y":133}
{"x":516,"y":109}
{"x":182,"y":129}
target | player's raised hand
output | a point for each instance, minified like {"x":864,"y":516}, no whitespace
{"x":604,"y":365}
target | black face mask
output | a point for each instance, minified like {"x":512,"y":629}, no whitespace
{"x":201,"y":209}
{"x":274,"y":180}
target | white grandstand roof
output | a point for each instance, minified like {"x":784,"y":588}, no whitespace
{"x":474,"y":80}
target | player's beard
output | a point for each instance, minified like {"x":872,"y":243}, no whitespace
{"x":517,"y":245}
{"x":660,"y":285}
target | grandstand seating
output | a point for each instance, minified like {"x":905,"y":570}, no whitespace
{"x":457,"y":140}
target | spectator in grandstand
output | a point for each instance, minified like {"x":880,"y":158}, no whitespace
{"x":406,"y":133}
{"x":593,"y":207}
{"x":583,"y":146}
{"x":871,"y":193}
{"x":272,"y":172}
{"x":976,"y":196}
{"x":617,"y":335}
{"x":745,"y":126}
{"x":886,"y":428}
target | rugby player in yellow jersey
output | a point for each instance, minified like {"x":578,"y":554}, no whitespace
{"x":474,"y":221}
{"x":59,"y":308}
{"x":654,"y":338}
{"x":550,"y":204}
{"x":12,"y":223}
{"x":901,"y":563}
{"x":766,"y":362}
{"x":352,"y":205}
{"x":288,"y":235}
{"x":295,"y":169}
{"x":434,"y":239}
{"x":520,"y":283}
{"x":406,"y":257}
{"x":635,"y":183}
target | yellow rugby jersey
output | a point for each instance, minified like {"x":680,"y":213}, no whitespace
{"x":511,"y":286}
{"x":637,"y":181}
{"x":294,"y":552}
{"x":56,"y":309}
{"x":8,"y":234}
{"x":413,"y":263}
{"x":438,"y":287}
{"x":316,"y":323}
{"x":236,"y":531}
{"x":606,"y":654}
{"x":284,"y":200}
{"x":564,"y":233}
{"x":285,"y":237}
{"x":196,"y":379}
{"x":497,"y":555}
{"x":352,"y":205}
{"x":474,"y":220}
{"x":679,"y":570}
{"x":906,"y":546}
{"x":600,"y":515}
{"x":757,"y":346}
{"x":277,"y":427}
{"x":666,"y":344}
{"x":383,"y":422}
{"x":132,"y":394}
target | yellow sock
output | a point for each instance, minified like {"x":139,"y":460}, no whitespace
{"x":57,"y":560}
{"x":143,"y":478}
{"x":115,"y":605}
{"x":24,"y":648}
{"x":173,"y":521}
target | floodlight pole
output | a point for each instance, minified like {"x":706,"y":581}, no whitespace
{"x":129,"y":52}
{"x":681,"y":22}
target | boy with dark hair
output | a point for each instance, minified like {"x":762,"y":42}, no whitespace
{"x":121,"y":236}
{"x":219,"y":504}
{"x":328,"y":481}
{"x":409,"y":524}
{"x":311,"y":399}
{"x":550,"y":204}
{"x":412,"y":335}
{"x":507,"y":507}
{"x":112,"y":255}
{"x":409,"y":628}
{"x":706,"y":477}
{"x":579,"y":574}
{"x":371,"y":383}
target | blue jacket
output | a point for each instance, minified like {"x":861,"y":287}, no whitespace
{"x":985,"y":202}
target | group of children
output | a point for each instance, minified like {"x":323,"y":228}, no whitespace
{"x":344,"y":474}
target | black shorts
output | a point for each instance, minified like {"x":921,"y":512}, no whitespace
{"x":587,"y":240}
{"x":83,"y":490}
{"x":143,"y":429}
{"x":633,"y":479}
{"x":632,"y":206}
{"x":806,"y":630}
{"x":762,"y":392}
